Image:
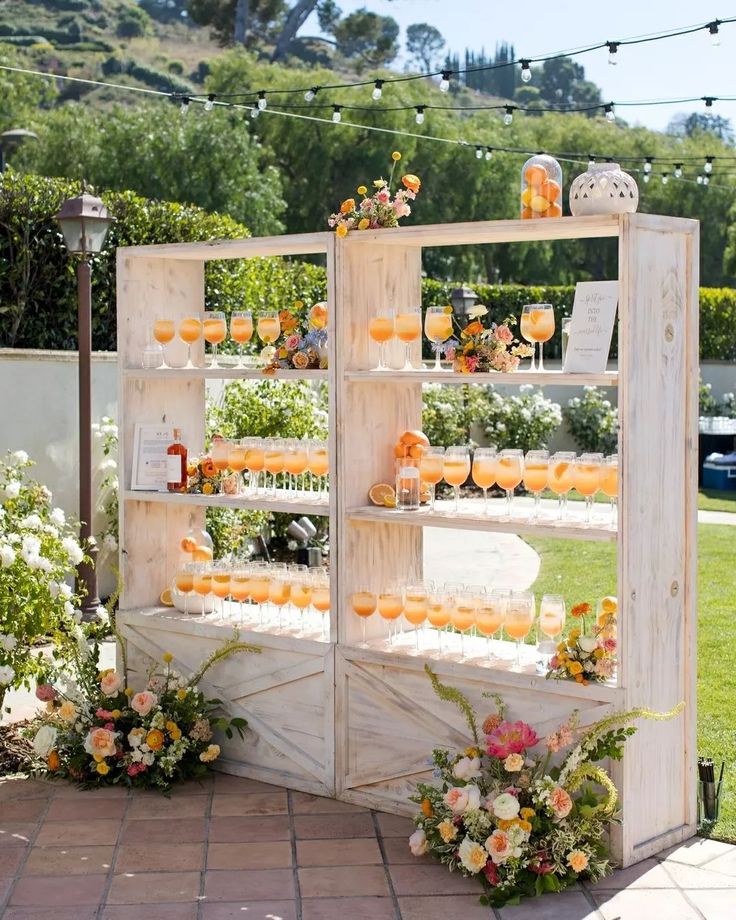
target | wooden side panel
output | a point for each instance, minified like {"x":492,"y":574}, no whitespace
{"x":149,"y":534}
{"x":658,"y":375}
{"x":284,"y":693}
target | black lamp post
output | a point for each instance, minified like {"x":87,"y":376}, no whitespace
{"x":84,"y":223}
{"x":463,"y":298}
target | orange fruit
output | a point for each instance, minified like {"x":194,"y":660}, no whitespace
{"x":390,"y":501}
{"x":165,"y":598}
{"x":202,"y":554}
{"x":380,"y":492}
{"x":535,"y":174}
{"x":188,"y":545}
{"x":416,"y":451}
{"x":526,"y":196}
{"x":414,"y":437}
{"x":539,"y":204}
{"x":550,"y":190}
{"x":554,"y":210}
{"x":401,"y":451}
{"x":526,"y":213}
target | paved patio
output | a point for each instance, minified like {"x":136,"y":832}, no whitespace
{"x":235,"y":848}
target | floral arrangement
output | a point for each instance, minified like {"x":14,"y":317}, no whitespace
{"x":521,"y":822}
{"x":203,"y":477}
{"x":383,"y":208}
{"x":300,"y":349}
{"x":485,"y":348}
{"x":98,"y":730}
{"x":585,"y":657}
{"x":38,"y":551}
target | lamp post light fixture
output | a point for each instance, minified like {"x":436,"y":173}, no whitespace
{"x":84,"y":222}
{"x":462,"y":300}
{"x":9,"y":140}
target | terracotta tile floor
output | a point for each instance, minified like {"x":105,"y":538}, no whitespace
{"x":235,"y":848}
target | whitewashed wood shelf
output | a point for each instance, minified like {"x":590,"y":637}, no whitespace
{"x":465,"y":521}
{"x":518,"y":378}
{"x":219,"y":373}
{"x":281,"y":504}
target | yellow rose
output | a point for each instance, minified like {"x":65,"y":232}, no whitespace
{"x":298,"y":304}
{"x":347,"y":206}
{"x":129,"y":691}
{"x":396,"y":156}
{"x":527,"y":813}
{"x":175,"y":735}
{"x":363,"y":223}
{"x":208,"y":489}
{"x":574,"y":635}
{"x":598,"y":652}
{"x":362,"y":190}
{"x":447,"y":831}
{"x":341,"y":230}
{"x":102,"y":768}
{"x":525,"y":826}
{"x":181,"y":694}
{"x":116,"y":713}
{"x":575,"y":667}
{"x":577,"y":861}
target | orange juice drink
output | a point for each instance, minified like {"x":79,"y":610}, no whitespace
{"x":241,"y":329}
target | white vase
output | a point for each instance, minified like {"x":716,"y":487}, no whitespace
{"x":603,"y":189}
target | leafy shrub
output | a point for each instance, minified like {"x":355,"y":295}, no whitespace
{"x":717,"y":322}
{"x":728,"y":406}
{"x":175,"y":67}
{"x":525,"y":421}
{"x":133,"y":22}
{"x":448,"y":413}
{"x":593,"y":422}
{"x":157,"y":79}
{"x":707,"y":404}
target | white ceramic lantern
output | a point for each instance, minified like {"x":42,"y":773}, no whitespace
{"x":604,"y":188}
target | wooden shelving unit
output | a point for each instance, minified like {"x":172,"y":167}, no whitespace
{"x":359,"y":723}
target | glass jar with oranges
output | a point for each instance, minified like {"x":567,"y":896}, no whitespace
{"x":541,"y":187}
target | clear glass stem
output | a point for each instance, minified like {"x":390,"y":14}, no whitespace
{"x":462,"y":644}
{"x":537,"y":504}
{"x":363,"y":624}
{"x":509,"y":501}
{"x":408,"y":366}
{"x":485,"y":501}
{"x":457,"y":499}
{"x":614,"y":510}
{"x":164,"y":365}
{"x":517,"y":659}
{"x":189,"y":365}
{"x":541,"y":357}
{"x":437,"y":363}
{"x":382,"y":356}
{"x":432,"y":488}
{"x":186,"y":604}
{"x":588,"y":509}
{"x":215,"y":362}
{"x":533,"y":365}
{"x":416,"y":639}
{"x":240,"y":354}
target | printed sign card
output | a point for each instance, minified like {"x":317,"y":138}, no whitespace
{"x":149,"y":457}
{"x":591,"y":329}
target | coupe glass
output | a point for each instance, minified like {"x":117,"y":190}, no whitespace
{"x":456,"y":469}
{"x":586,"y":477}
{"x":431,"y":469}
{"x":241,"y":331}
{"x":559,"y":479}
{"x":190,"y":331}
{"x":408,"y":326}
{"x":381,"y":330}
{"x":509,"y":473}
{"x":438,"y":329}
{"x":163,"y":332}
{"x":536,"y":468}
{"x":484,"y":471}
{"x":214,"y":331}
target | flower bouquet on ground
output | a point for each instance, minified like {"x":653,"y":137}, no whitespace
{"x":585,"y":657}
{"x":486,"y":348}
{"x":383,"y":208}
{"x":301,"y":348}
{"x":522,"y":822}
{"x":99,"y":731}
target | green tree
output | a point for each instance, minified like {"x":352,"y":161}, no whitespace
{"x":244,"y":22}
{"x":695,"y":123}
{"x":367,"y":37}
{"x":424,"y":43}
{"x":21,"y":95}
{"x":562,"y":82}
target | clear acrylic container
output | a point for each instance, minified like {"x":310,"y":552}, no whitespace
{"x":541,"y":188}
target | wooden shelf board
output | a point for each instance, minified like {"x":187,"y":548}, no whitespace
{"x":219,"y":373}
{"x":548,"y":378}
{"x":478,"y":666}
{"x":279,"y":504}
{"x":465,"y":520}
{"x":210,"y":626}
{"x":295,"y":244}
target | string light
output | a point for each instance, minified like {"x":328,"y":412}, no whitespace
{"x":479,"y":153}
{"x":262,"y":100}
{"x":184,"y":107}
{"x":210,"y":104}
{"x":526,"y":71}
{"x":489,"y":153}
{"x":709,"y":100}
{"x":708,"y":165}
{"x":609,"y":113}
{"x":665,"y":178}
{"x":645,"y":177}
{"x":255,"y":112}
{"x":377,"y":90}
{"x":612,"y":50}
{"x":509,"y":116}
{"x":336,"y":114}
{"x":311,"y":94}
{"x":699,"y":180}
{"x":678,"y":171}
{"x":715,"y":38}
{"x":648,"y":165}
{"x":445,"y":81}
{"x":706,"y":180}
{"x":419,"y":118}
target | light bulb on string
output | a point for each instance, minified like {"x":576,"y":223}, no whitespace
{"x":311,"y":94}
{"x":715,"y":38}
{"x":609,"y":113}
{"x":509,"y":116}
{"x":665,"y":178}
{"x":708,"y":165}
{"x":678,"y":171}
{"x":489,"y":153}
{"x":262,"y":100}
{"x":612,"y":50}
{"x":706,"y":180}
{"x":645,"y":177}
{"x":184,"y":107}
{"x":377,"y":90}
{"x":445,"y":81}
{"x":336,"y":114}
{"x":419,"y":117}
{"x":479,"y":153}
{"x":709,"y":100}
{"x":526,"y":71}
{"x":648,"y":165}
{"x":210,"y":104}
{"x":699,"y":180}
{"x":255,"y":112}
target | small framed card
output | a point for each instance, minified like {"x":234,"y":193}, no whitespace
{"x":591,"y":329}
{"x":150,"y":443}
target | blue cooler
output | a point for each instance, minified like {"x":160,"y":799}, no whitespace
{"x":719,"y":472}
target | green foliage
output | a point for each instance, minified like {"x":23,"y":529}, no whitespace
{"x":448,"y":413}
{"x":592,"y":421}
{"x":133,"y":23}
{"x":707,"y":403}
{"x":525,"y":421}
{"x":718,"y":320}
{"x":424,"y":43}
{"x":452,"y":695}
{"x":367,"y":36}
{"x":20,"y":94}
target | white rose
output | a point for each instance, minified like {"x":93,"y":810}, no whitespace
{"x":6,"y":675}
{"x":587,"y":643}
{"x":31,"y":522}
{"x":418,"y":842}
{"x":513,"y":763}
{"x":45,"y":740}
{"x":58,"y":517}
{"x":467,"y":768}
{"x":65,"y":591}
{"x":73,"y":550}
{"x":19,"y":456}
{"x":7,"y":555}
{"x":148,"y":758}
{"x":505,"y":806}
{"x":12,"y":489}
{"x":8,"y":643}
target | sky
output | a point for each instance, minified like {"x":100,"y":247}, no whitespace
{"x":677,"y":67}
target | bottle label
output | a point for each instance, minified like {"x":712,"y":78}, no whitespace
{"x":173,"y":468}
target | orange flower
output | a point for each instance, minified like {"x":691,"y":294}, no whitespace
{"x":427,"y":809}
{"x":155,"y":739}
{"x":53,"y":761}
{"x":411,"y":182}
{"x":580,"y":610}
{"x":347,"y":206}
{"x":208,"y":467}
{"x":473,"y":328}
{"x":288,"y":321}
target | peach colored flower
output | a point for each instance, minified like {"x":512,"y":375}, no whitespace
{"x":447,"y":831}
{"x":100,"y":742}
{"x":411,"y":182}
{"x":110,"y":683}
{"x":418,"y":842}
{"x":499,"y":846}
{"x":460,"y":799}
{"x":504,"y":334}
{"x":143,"y":702}
{"x":472,"y":856}
{"x":347,"y":206}
{"x":513,"y":763}
{"x":68,"y":711}
{"x":560,"y":802}
{"x":491,"y":723}
{"x":577,"y":861}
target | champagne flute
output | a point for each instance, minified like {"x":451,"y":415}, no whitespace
{"x":221,"y":586}
{"x":408,"y":325}
{"x":509,"y":473}
{"x":462,"y":616}
{"x":260,"y":584}
{"x":190,"y":331}
{"x":273,"y":461}
{"x":484,"y":471}
{"x":381,"y":330}
{"x":163,"y":332}
{"x":279,"y":589}
{"x":301,"y":594}
{"x":438,"y":329}
{"x":536,"y":467}
{"x":431,"y":469}
{"x":586,"y":477}
{"x":559,"y":479}
{"x":201,"y":580}
{"x":241,"y":330}
{"x":519,"y":621}
{"x":214,"y":331}
{"x":551,"y":624}
{"x":609,"y":482}
{"x":456,"y":469}
{"x":364,"y":603}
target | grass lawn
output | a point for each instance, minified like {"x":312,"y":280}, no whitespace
{"x":591,"y":567}
{"x":708,"y":499}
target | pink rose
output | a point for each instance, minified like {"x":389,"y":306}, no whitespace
{"x":499,"y":846}
{"x":143,"y":702}
{"x":46,"y":692}
{"x":292,"y":343}
{"x":560,"y":802}
{"x":608,"y":644}
{"x":103,"y":714}
{"x":511,"y":738}
{"x":384,"y":196}
{"x":100,"y":741}
{"x":460,"y":799}
{"x":366,"y":204}
{"x":504,"y":334}
{"x":110,"y":683}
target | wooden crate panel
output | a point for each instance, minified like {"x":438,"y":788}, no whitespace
{"x":389,"y":721}
{"x":285,"y":694}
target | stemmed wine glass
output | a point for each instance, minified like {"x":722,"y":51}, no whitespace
{"x":184,"y":582}
{"x":415,"y":609}
{"x":390,"y":608}
{"x":364,"y":603}
{"x":438,"y":329}
{"x":536,"y":467}
{"x":519,"y":621}
{"x":609,"y":482}
{"x":190,"y":331}
{"x":163,"y":332}
{"x":456,"y":469}
{"x":586,"y":477}
{"x":462,"y":615}
{"x":268,"y":327}
{"x":381,"y":330}
{"x":438,"y":613}
{"x":537,"y":325}
{"x":509,"y":473}
{"x":408,"y":326}
{"x":214,"y":330}
{"x":484,"y":471}
{"x":551,"y":624}
{"x":431,"y":468}
{"x":559,"y":479}
{"x":241,"y":331}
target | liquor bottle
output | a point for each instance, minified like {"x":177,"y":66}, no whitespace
{"x":176,"y":464}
